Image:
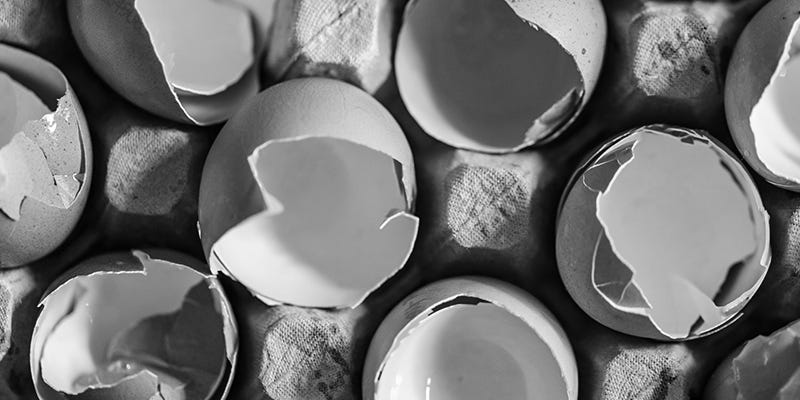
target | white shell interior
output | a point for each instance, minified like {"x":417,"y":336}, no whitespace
{"x":335,"y":226}
{"x":88,"y":328}
{"x":205,"y":46}
{"x":41,"y":154}
{"x":476,"y":75}
{"x":18,"y":105}
{"x":471,"y":352}
{"x":765,"y":368}
{"x":775,"y":120}
{"x":684,"y":231}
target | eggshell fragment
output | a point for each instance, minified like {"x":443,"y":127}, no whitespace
{"x":662,"y":234}
{"x":761,"y":94}
{"x":186,"y":60}
{"x":349,"y":40}
{"x":45,"y":158}
{"x":306,"y":195}
{"x":764,"y":368}
{"x":470,"y":338}
{"x":134,"y":325}
{"x":497,"y":76}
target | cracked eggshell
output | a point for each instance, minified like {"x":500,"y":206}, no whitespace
{"x":186,"y":60}
{"x":306,"y":195}
{"x":470,"y":337}
{"x":134,"y":325}
{"x":21,"y":289}
{"x":766,"y":367}
{"x":662,"y":234}
{"x":761,"y":93}
{"x":45,"y":158}
{"x":498,"y":75}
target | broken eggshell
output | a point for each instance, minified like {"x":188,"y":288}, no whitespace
{"x":764,"y":368}
{"x":186,"y":60}
{"x":135,"y":325}
{"x":470,"y":337}
{"x":761,"y":93}
{"x":45,"y":158}
{"x":498,"y":75}
{"x":306,"y":195}
{"x":340,"y":39}
{"x":662,"y":234}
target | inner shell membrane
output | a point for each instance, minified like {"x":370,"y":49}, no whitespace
{"x":471,"y":352}
{"x":331,"y":231}
{"x":475,"y":74}
{"x":775,"y":121}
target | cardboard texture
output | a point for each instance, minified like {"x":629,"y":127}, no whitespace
{"x":35,"y":25}
{"x":350,"y":40}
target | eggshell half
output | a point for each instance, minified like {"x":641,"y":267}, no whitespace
{"x":134,"y":325}
{"x":45,"y":158}
{"x":497,"y":76}
{"x":762,"y":93}
{"x":470,"y":337}
{"x":306,"y":195}
{"x":766,"y":367}
{"x":186,"y":60}
{"x":662,"y":234}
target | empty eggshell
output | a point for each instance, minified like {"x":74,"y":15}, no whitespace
{"x":470,"y":337}
{"x":135,"y":325}
{"x":187,"y":60}
{"x":763,"y":90}
{"x":306,"y":195}
{"x":662,"y":234}
{"x":764,"y":368}
{"x":350,"y":40}
{"x":499,"y":75}
{"x":45,"y":158}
